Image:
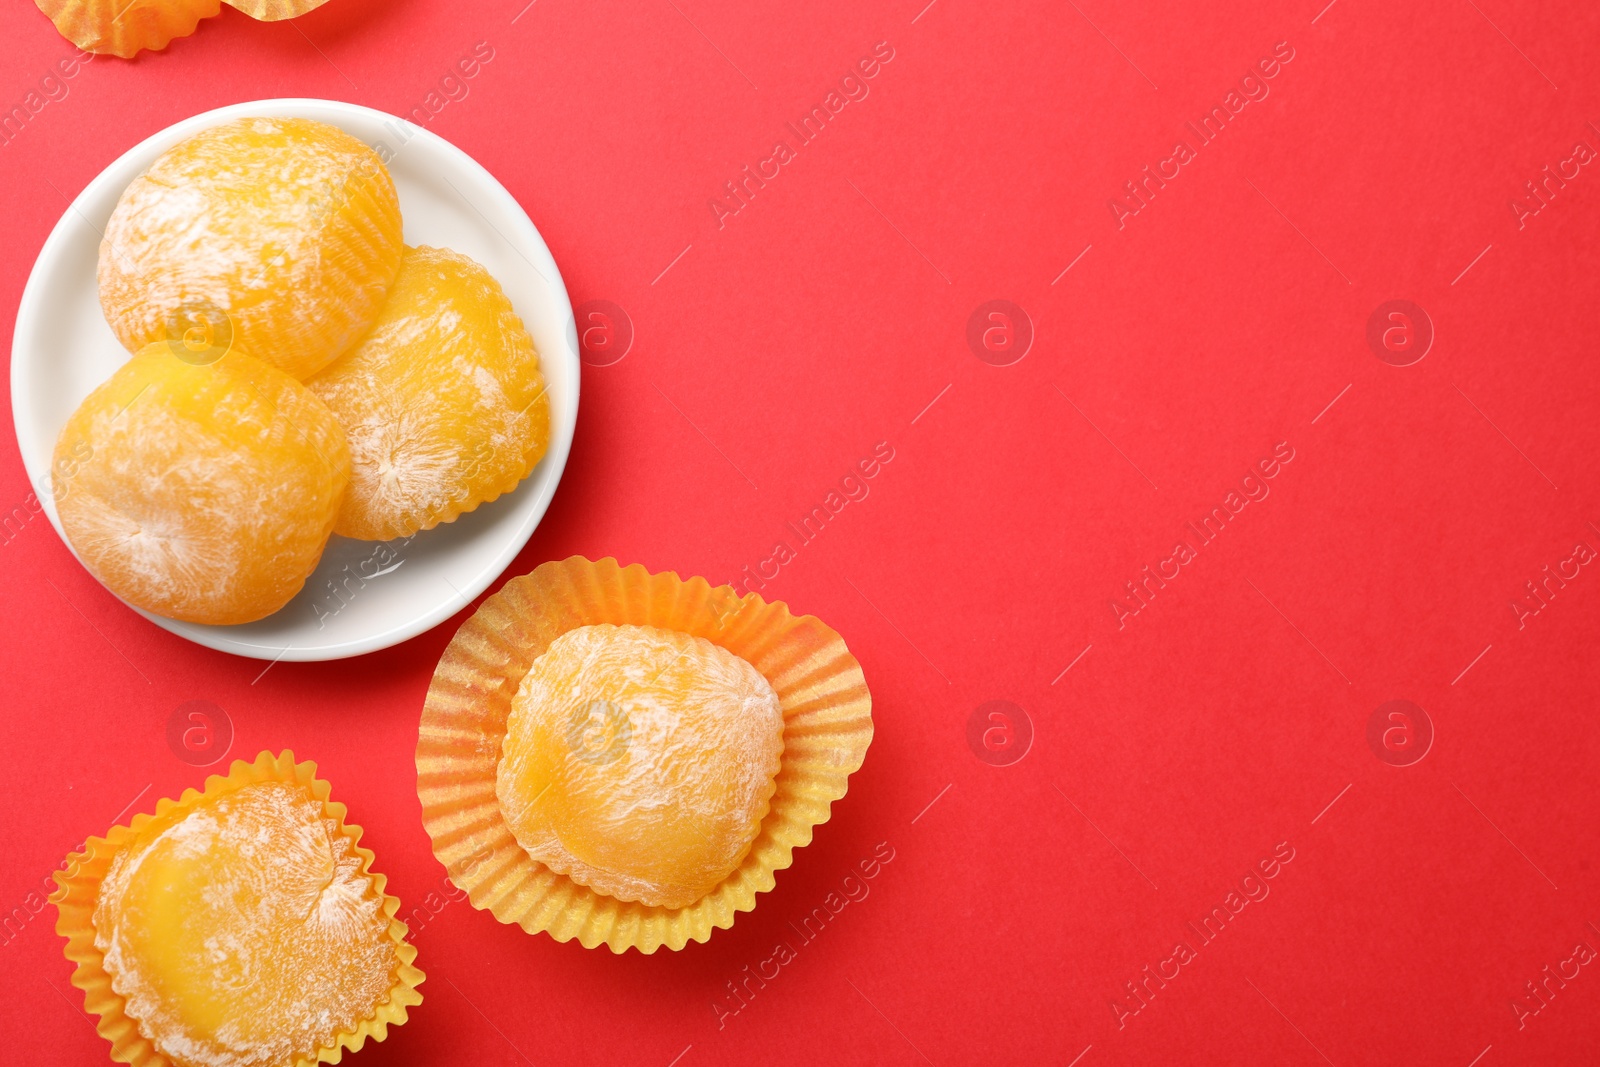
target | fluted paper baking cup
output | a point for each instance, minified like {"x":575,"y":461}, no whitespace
{"x":275,"y":10}
{"x":827,"y":726}
{"x":126,"y":27}
{"x":78,"y":890}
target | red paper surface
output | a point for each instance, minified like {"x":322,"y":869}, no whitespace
{"x":1220,"y":729}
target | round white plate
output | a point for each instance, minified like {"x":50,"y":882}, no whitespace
{"x":364,"y":595}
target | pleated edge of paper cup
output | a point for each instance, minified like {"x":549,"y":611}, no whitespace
{"x":827,"y":730}
{"x":78,"y":887}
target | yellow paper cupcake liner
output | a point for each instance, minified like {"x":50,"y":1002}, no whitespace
{"x":125,"y":28}
{"x":275,"y":10}
{"x":827,"y":726}
{"x":79,"y":889}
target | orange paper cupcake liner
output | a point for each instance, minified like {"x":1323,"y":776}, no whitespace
{"x":827,"y":726}
{"x":79,"y":888}
{"x":275,"y":10}
{"x":126,"y":27}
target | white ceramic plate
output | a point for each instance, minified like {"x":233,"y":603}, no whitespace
{"x":364,"y":596}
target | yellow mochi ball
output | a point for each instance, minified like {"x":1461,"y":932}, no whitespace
{"x":640,"y":762}
{"x":244,"y":934}
{"x":200,"y":488}
{"x":283,"y":232}
{"x":443,"y":401}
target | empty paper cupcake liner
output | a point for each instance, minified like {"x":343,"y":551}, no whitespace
{"x":79,"y":889}
{"x":126,"y":27}
{"x":827,"y":726}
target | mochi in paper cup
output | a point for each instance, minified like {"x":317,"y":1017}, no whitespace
{"x":80,"y":883}
{"x":827,"y":726}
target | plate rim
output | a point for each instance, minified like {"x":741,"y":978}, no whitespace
{"x":563,"y":426}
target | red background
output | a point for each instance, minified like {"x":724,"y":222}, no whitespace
{"x":824,"y":317}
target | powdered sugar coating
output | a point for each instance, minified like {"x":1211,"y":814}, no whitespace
{"x":243,"y":934}
{"x":443,"y":402}
{"x":640,"y":762}
{"x":200,"y":492}
{"x":289,"y":227}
